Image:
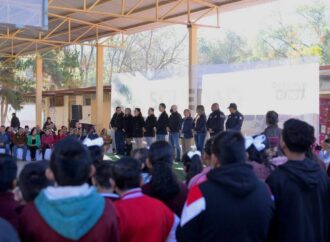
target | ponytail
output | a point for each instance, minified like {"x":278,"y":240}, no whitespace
{"x":193,"y":166}
{"x":164,"y":183}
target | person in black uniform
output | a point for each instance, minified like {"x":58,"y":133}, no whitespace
{"x":162,"y":123}
{"x":216,"y":121}
{"x":117,"y":122}
{"x":235,"y":119}
{"x":128,"y":129}
{"x":138,"y":124}
{"x":150,"y":126}
{"x":174,"y":126}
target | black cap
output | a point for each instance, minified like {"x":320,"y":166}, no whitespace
{"x":233,"y":105}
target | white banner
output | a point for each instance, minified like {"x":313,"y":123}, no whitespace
{"x":290,"y":90}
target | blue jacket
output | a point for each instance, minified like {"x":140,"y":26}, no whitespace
{"x":4,"y":138}
{"x":200,"y":124}
{"x":187,"y":128}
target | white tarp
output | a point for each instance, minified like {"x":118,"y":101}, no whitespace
{"x":137,"y":91}
{"x":291,"y":90}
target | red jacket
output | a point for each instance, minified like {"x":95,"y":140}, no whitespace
{"x":47,"y":140}
{"x":9,"y":208}
{"x":60,"y":137}
{"x":33,"y":228}
{"x":144,"y":219}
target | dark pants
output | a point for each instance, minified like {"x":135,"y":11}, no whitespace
{"x":128,"y":149}
{"x":33,"y":150}
{"x":175,"y":142}
{"x":199,"y":141}
{"x":120,"y":142}
{"x":43,"y":150}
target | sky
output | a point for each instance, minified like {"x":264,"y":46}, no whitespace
{"x":248,"y":21}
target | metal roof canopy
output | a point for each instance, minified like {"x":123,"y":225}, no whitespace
{"x":78,"y":21}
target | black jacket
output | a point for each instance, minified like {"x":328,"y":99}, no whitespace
{"x":138,"y":125}
{"x":235,"y":121}
{"x":216,"y":122}
{"x":187,"y":128}
{"x":128,"y":126}
{"x":150,"y":124}
{"x":162,"y":123}
{"x":46,"y":125}
{"x":175,"y":122}
{"x":117,"y":121}
{"x":301,"y":196}
{"x":232,"y":206}
{"x":14,"y":123}
{"x":200,"y":124}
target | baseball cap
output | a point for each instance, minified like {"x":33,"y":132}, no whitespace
{"x":232,"y":105}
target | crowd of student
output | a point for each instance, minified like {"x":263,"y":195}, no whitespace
{"x":270,"y":187}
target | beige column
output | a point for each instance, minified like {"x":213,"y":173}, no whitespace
{"x":194,"y":92}
{"x":66,"y":111}
{"x":106,"y":109}
{"x":47,"y":106}
{"x":38,"y":90}
{"x":99,"y":87}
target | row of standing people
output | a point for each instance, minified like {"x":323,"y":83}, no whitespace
{"x":128,"y":127}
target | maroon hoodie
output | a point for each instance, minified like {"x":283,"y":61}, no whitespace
{"x":33,"y":228}
{"x":9,"y":208}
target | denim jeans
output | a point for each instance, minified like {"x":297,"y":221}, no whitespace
{"x":175,"y":142}
{"x":7,"y":148}
{"x":120,"y":142}
{"x":149,"y":141}
{"x":21,"y":147}
{"x":199,"y":141}
{"x":161,"y":137}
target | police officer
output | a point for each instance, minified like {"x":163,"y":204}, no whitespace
{"x":216,"y":121}
{"x":235,"y":119}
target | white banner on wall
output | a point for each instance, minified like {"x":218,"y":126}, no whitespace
{"x":291,"y":90}
{"x":136,"y":90}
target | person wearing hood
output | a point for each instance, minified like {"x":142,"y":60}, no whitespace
{"x":233,"y":205}
{"x":71,"y":210}
{"x":300,"y":189}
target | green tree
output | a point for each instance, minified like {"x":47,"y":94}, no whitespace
{"x":309,"y":37}
{"x":13,"y":85}
{"x":231,"y":49}
{"x":62,"y":68}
